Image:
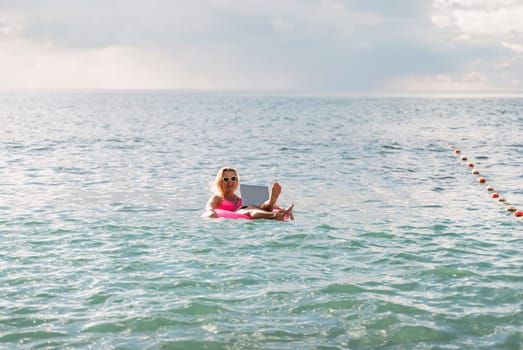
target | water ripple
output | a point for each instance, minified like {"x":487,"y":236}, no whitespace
{"x":395,"y":246}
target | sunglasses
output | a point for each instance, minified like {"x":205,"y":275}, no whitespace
{"x":232,"y":178}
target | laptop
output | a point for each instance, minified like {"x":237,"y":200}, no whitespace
{"x":254,"y":194}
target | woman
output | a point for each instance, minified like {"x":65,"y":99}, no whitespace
{"x":224,"y":197}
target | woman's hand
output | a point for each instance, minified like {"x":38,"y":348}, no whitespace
{"x":213,"y":203}
{"x":210,"y":214}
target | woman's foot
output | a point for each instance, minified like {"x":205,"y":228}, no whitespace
{"x":275,"y":194}
{"x":282,"y":214}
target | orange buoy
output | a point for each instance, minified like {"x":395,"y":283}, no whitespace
{"x":475,"y":172}
{"x":482,"y":180}
{"x":511,"y":209}
{"x":518,"y":213}
{"x":494,"y":195}
{"x":501,"y":199}
{"x":464,"y":158}
{"x":470,"y":165}
{"x":457,"y":151}
{"x":490,"y":188}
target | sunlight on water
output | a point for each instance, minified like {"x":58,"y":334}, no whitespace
{"x":395,"y":244}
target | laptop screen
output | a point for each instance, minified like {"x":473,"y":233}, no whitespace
{"x":253,"y":194}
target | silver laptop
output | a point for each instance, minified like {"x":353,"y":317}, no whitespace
{"x":254,"y":194}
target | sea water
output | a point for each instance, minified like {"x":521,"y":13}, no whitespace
{"x":395,"y":244}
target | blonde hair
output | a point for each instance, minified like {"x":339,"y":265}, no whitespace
{"x":216,"y":186}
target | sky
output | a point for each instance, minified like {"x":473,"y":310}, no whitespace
{"x":364,"y":46}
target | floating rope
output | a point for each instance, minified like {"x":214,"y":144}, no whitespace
{"x":490,"y":189}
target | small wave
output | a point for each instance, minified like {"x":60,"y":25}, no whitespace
{"x":98,"y":298}
{"x":343,"y":289}
{"x":137,"y":209}
{"x":394,"y":146}
{"x":379,"y":234}
{"x":397,"y":308}
{"x":20,"y":337}
{"x":105,"y":327}
{"x":417,"y":334}
{"x":194,"y":344}
{"x":147,"y":324}
{"x":326,"y":227}
{"x":448,"y":272}
{"x":198,"y":308}
{"x":346,"y":304}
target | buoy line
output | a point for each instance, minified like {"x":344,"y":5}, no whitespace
{"x":490,"y":189}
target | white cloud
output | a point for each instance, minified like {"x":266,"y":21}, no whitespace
{"x":206,"y":44}
{"x":12,"y":25}
{"x":513,"y":47}
{"x":299,"y":19}
{"x":344,"y":20}
{"x":441,"y":83}
{"x":28,"y":65}
{"x":479,"y":29}
{"x":479,"y":19}
{"x":323,"y":12}
{"x":260,"y":44}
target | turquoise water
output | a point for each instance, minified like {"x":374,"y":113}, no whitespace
{"x":395,"y":244}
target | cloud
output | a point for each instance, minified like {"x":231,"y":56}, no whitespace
{"x":478,"y":19}
{"x":88,"y":48}
{"x":334,"y":16}
{"x":513,"y":47}
{"x":26,"y":65}
{"x":441,"y":83}
{"x":11,"y":25}
{"x":258,"y":44}
{"x":480,"y":33}
{"x":208,"y":44}
{"x":29,"y":66}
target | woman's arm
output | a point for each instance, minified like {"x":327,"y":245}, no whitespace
{"x":212,"y":204}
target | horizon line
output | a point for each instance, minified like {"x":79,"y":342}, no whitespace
{"x":330,"y":92}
